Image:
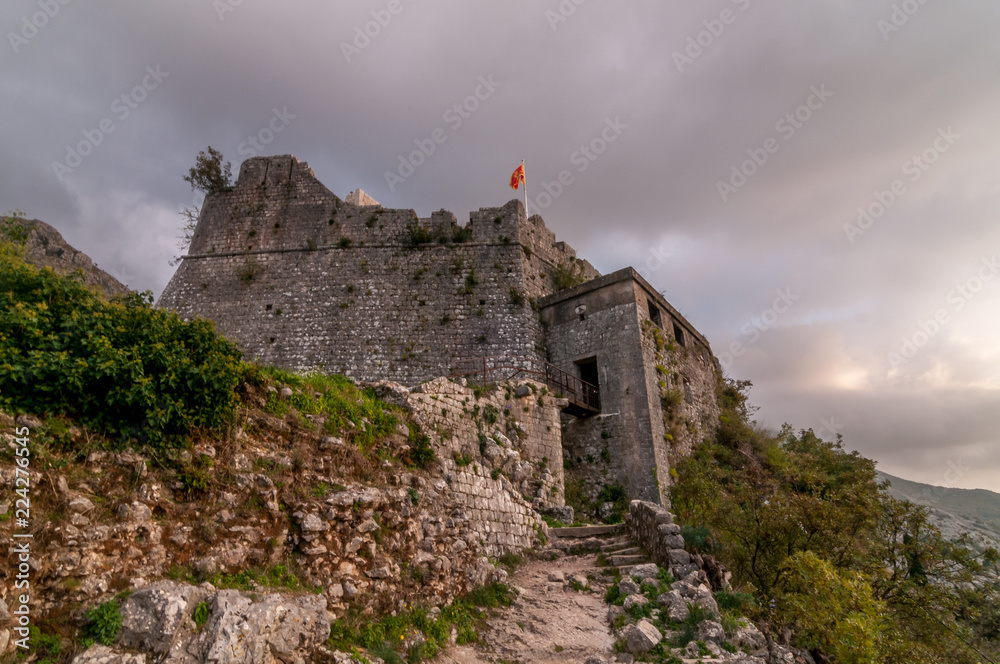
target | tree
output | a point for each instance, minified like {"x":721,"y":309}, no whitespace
{"x":209,"y":174}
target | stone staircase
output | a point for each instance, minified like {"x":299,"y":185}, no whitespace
{"x":611,"y":540}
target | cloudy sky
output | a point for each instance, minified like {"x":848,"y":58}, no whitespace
{"x":815,"y":185}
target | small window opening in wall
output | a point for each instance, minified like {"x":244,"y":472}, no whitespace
{"x":654,"y":313}
{"x":267,"y":308}
{"x":679,"y":334}
{"x":687,"y":392}
{"x":581,"y":311}
{"x":272,"y":340}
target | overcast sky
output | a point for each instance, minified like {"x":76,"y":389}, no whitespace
{"x":723,"y":148}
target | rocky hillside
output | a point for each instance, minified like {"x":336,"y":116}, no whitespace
{"x":955,"y":512}
{"x":46,"y":248}
{"x":250,"y":544}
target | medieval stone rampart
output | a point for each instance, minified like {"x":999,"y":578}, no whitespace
{"x":304,"y":280}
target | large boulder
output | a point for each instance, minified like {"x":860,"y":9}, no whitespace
{"x":675,"y":606}
{"x":709,"y":630}
{"x":158,"y":619}
{"x":642,"y":637}
{"x":276,"y":629}
{"x":106,"y":655}
{"x":747,"y":636}
{"x":154,"y":617}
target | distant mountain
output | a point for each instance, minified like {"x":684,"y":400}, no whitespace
{"x":954,"y":511}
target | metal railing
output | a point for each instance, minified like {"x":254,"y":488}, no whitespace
{"x":498,"y":368}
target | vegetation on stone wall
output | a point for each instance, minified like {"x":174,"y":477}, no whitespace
{"x":127,"y":369}
{"x":209,"y":174}
{"x":859,"y":576}
{"x":567,"y":275}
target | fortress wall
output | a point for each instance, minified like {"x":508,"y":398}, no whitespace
{"x":303,"y":280}
{"x":499,"y":485}
{"x":527,"y":425}
{"x":657,"y":396}
{"x":369,"y":312}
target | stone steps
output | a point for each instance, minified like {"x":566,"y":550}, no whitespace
{"x":635,"y":559}
{"x":626,"y":570}
{"x":586,"y":531}
{"x":627,"y":549}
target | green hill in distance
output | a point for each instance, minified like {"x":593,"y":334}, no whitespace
{"x":954,"y":511}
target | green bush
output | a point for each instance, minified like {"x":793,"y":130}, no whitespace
{"x":103,"y":622}
{"x":130,"y":371}
{"x":832,"y":611}
{"x":200,"y":615}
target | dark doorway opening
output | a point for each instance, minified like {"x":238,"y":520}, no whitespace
{"x":588,"y":374}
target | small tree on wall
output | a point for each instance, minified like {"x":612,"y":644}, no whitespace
{"x":209,"y":174}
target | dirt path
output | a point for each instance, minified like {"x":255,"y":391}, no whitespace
{"x":549,"y":622}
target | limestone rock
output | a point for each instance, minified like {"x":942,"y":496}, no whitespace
{"x":628,"y":587}
{"x":106,"y":655}
{"x":748,"y":636}
{"x":709,"y":630}
{"x":676,"y":607}
{"x":274,"y":630}
{"x":153,"y":616}
{"x":645,"y":571}
{"x":642,"y":637}
{"x":634,"y":600}
{"x":80,"y":505}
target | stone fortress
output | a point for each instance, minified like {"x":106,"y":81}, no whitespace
{"x":304,"y":280}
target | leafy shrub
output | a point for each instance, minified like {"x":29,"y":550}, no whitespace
{"x":421,"y":451}
{"x":832,"y":611}
{"x":200,"y":615}
{"x":47,"y":647}
{"x":417,"y":234}
{"x":103,"y":622}
{"x":567,"y":275}
{"x":14,"y":228}
{"x":386,"y":653}
{"x":126,"y":369}
{"x":697,"y":539}
{"x":209,"y":174}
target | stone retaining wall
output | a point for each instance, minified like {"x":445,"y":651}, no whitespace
{"x":653,"y":528}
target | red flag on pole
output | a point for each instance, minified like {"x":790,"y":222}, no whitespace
{"x":517,"y":177}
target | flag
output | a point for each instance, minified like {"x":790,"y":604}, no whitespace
{"x":517,"y":177}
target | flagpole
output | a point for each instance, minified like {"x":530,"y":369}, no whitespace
{"x":525,"y":189}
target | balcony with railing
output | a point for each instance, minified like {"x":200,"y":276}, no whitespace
{"x":584,"y":398}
